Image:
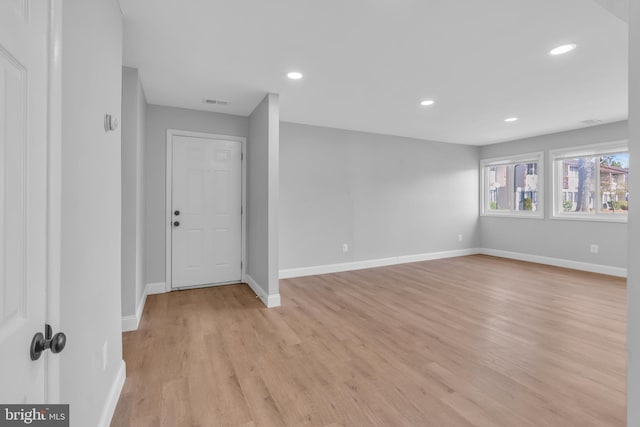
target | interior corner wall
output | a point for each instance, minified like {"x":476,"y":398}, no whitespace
{"x":548,"y":237}
{"x":141,"y":276}
{"x":262,"y":197}
{"x":133,"y":140}
{"x":159,"y":119}
{"x":633,"y":281}
{"x":91,"y":366}
{"x":384,"y":196}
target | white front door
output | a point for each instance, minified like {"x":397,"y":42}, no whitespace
{"x":206,"y":212}
{"x":23,"y":195}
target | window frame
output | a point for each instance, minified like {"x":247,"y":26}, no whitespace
{"x":592,"y":150}
{"x":510,"y":162}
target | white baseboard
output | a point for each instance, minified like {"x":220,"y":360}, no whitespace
{"x":558,"y":262}
{"x":359,"y":265}
{"x":113,"y":396}
{"x":269,"y":300}
{"x":155,"y":288}
{"x":131,"y":322}
{"x":273,"y":300}
{"x":380,"y":262}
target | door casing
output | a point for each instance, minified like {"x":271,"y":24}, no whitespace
{"x":169,"y":184}
{"x":54,"y":195}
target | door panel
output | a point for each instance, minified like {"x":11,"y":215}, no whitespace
{"x":23,"y":192}
{"x":207,"y":191}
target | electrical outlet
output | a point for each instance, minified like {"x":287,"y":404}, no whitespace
{"x":594,"y":248}
{"x":345,"y":247}
{"x":105,"y":348}
{"x":459,"y":237}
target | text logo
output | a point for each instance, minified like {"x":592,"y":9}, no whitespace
{"x":34,"y":415}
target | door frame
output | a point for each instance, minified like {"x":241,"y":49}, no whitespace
{"x":168,"y":191}
{"x":52,"y":380}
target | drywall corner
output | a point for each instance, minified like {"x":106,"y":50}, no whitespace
{"x":262,"y":196}
{"x":633,"y":281}
{"x":133,"y":123}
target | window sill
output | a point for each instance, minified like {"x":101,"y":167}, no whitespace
{"x":592,"y":218}
{"x":512,"y":215}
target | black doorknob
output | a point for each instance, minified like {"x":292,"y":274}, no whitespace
{"x":37,"y":346}
{"x":41,"y":342}
{"x":176,"y":213}
{"x":176,"y":223}
{"x":58,"y":342}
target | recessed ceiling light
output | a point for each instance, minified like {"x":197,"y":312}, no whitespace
{"x":511,"y":119}
{"x":560,"y":50}
{"x":294,"y":75}
{"x":427,"y":102}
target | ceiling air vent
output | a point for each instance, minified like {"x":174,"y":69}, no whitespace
{"x":215,"y":101}
{"x":591,"y":122}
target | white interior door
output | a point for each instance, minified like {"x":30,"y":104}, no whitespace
{"x":23,"y":192}
{"x":206,"y":212}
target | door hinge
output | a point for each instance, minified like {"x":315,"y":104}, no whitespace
{"x":241,"y":156}
{"x":241,"y":211}
{"x":240,"y":265}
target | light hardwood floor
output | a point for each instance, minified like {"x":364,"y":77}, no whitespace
{"x":470,"y":341}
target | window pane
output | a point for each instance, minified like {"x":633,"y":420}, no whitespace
{"x":498,"y":192}
{"x":614,"y":172}
{"x":525,"y":186}
{"x":578,"y":184}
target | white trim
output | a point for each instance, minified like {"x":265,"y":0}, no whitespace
{"x":168,"y":184}
{"x":155,"y":288}
{"x":381,"y":262}
{"x":511,"y":214}
{"x":515,"y":158}
{"x":207,"y":285}
{"x":273,"y":198}
{"x":54,"y":191}
{"x":510,"y":161}
{"x":131,"y":322}
{"x":269,"y":300}
{"x":257,"y":289}
{"x":581,"y":216}
{"x":274,"y":300}
{"x":558,"y":262}
{"x":243,"y":270}
{"x":595,"y":150}
{"x":112,"y":399}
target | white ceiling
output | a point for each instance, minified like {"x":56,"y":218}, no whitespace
{"x":367,"y":63}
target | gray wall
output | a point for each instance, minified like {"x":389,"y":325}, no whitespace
{"x":555,"y":238}
{"x":133,"y":142}
{"x":384,"y":196}
{"x":91,"y":207}
{"x":159,"y":119}
{"x":633,"y":287}
{"x":262,"y":195}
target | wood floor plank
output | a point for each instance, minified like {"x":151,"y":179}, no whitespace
{"x":470,"y":341}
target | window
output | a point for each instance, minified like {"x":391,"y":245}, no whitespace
{"x":512,"y":186}
{"x":592,"y":182}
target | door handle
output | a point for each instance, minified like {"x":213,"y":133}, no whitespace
{"x":176,"y":223}
{"x":40,"y":342}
